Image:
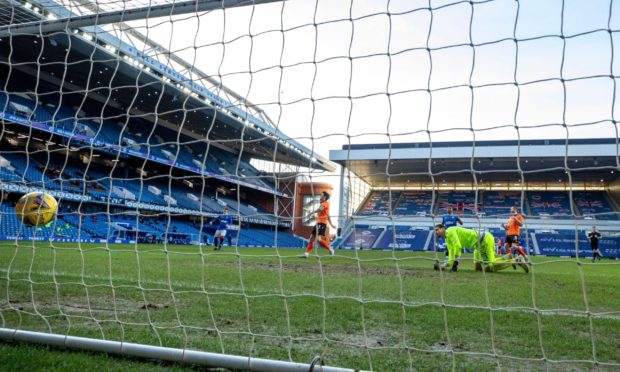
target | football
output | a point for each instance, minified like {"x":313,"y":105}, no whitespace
{"x":36,"y":208}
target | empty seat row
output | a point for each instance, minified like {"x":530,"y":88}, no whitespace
{"x":543,"y":204}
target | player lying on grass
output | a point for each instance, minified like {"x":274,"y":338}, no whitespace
{"x":458,"y":238}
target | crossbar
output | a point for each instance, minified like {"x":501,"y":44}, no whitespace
{"x":164,"y":10}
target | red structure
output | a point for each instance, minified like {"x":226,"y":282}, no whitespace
{"x":305,"y":198}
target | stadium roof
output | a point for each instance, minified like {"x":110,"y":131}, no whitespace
{"x":11,"y":14}
{"x":125,"y":78}
{"x":530,"y":161}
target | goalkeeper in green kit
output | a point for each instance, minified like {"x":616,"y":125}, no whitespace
{"x":483,"y":243}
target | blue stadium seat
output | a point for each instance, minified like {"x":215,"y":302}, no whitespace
{"x":378,"y":203}
{"x":549,"y":204}
{"x":463,"y":203}
{"x":498,"y":203}
{"x":594,"y":205}
{"x":414,"y":203}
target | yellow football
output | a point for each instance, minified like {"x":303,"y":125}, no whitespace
{"x":36,"y":208}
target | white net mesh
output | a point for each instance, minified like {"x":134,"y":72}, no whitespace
{"x":146,"y":128}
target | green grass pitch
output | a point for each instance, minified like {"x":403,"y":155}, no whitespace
{"x":369,"y":310}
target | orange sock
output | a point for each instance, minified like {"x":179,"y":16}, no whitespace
{"x":520,"y":250}
{"x":324,"y":244}
{"x":309,"y":246}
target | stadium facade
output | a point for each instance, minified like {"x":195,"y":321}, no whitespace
{"x":392,"y":194}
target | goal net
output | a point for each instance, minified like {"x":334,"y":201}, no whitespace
{"x":189,"y":144}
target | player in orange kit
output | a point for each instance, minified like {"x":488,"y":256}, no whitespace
{"x":320,"y":229}
{"x":513,"y":232}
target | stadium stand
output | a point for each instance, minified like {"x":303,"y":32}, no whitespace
{"x":91,"y":222}
{"x":12,"y":228}
{"x":549,"y":204}
{"x":498,"y":203}
{"x":129,"y":132}
{"x":494,"y":208}
{"x":21,"y":104}
{"x":462,"y":202}
{"x":7,"y":171}
{"x":594,"y":205}
{"x":28,"y":170}
{"x":380,"y":203}
{"x":414,"y":203}
{"x":257,"y":237}
{"x":543,"y":204}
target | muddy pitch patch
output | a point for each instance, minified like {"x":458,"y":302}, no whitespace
{"x":330,"y":268}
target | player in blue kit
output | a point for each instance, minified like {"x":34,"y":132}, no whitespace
{"x":222,"y":222}
{"x":450,"y":220}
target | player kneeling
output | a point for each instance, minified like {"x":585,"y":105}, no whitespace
{"x":484,"y":253}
